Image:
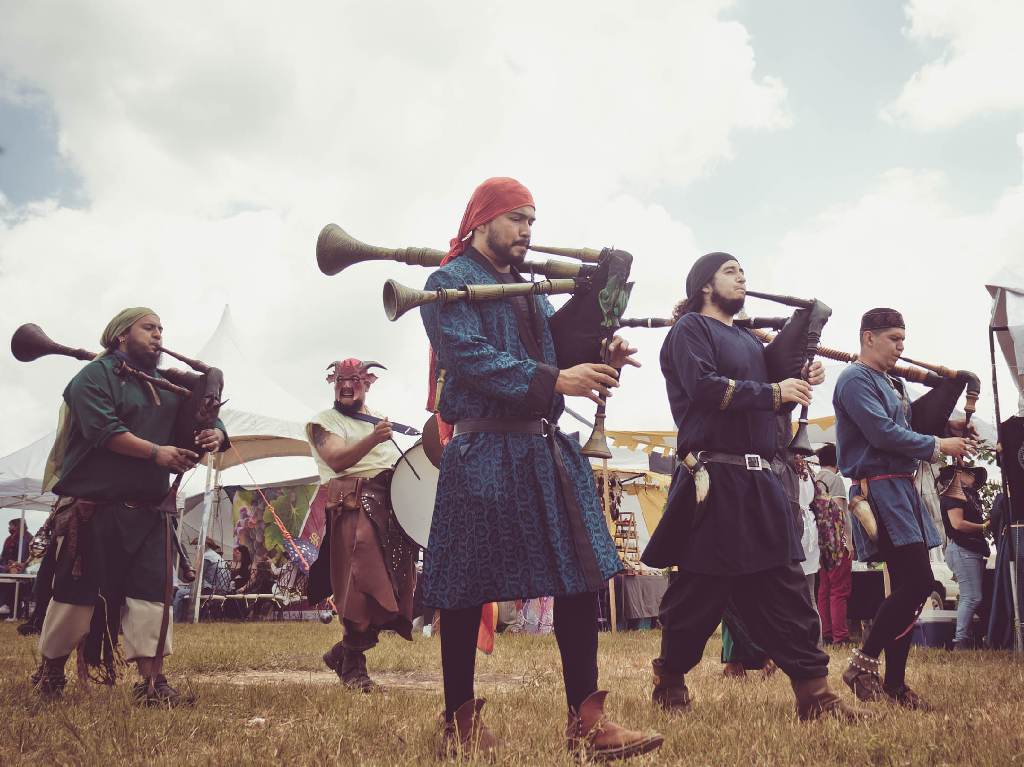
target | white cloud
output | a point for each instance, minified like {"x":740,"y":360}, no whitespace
{"x":903,"y":245}
{"x":974,"y":75}
{"x":214,"y":142}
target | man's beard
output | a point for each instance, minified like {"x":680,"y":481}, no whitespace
{"x":143,"y":356}
{"x":730,"y":306}
{"x":504,"y":253}
{"x":355,"y":407}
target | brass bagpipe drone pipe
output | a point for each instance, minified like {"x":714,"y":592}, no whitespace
{"x":598,"y":286}
{"x":202,"y":389}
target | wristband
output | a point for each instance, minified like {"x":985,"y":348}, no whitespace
{"x":153,"y":451}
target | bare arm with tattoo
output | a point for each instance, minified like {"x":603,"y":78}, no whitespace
{"x":339,"y":454}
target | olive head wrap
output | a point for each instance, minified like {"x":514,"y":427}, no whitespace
{"x":120,"y":324}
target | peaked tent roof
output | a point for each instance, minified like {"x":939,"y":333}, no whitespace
{"x":1007,"y":291}
{"x":262,"y":418}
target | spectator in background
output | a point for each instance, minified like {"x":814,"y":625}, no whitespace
{"x":11,"y":555}
{"x":967,"y":549}
{"x":241,"y":567}
{"x":261,"y":581}
{"x":809,"y":537}
{"x":11,"y":558}
{"x":835,"y":578}
{"x":264,"y":575}
{"x":179,"y":606}
{"x":215,"y":573}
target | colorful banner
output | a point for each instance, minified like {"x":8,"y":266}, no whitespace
{"x":254,"y":524}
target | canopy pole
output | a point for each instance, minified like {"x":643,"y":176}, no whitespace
{"x":212,"y":477}
{"x":1011,"y":528}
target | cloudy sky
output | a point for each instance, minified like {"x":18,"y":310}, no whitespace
{"x":185,"y":158}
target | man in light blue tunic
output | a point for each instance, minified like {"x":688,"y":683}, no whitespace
{"x":879,"y":451}
{"x":516,"y":513}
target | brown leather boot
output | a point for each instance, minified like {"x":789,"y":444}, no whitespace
{"x":466,"y":736}
{"x":591,"y":734}
{"x":862,"y":677}
{"x":350,"y":666}
{"x":669,"y":689}
{"x":815,"y":699}
{"x":49,"y":680}
{"x":353,"y":672}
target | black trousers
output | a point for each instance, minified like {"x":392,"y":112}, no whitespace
{"x":910,"y":578}
{"x":773,"y":605}
{"x":575,"y":632}
{"x":744,"y":649}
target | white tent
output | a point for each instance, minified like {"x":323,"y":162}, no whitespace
{"x":1007,"y":291}
{"x":20,"y":492}
{"x":262,"y":418}
{"x":21,"y":477}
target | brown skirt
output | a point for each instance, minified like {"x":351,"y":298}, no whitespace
{"x":365,"y":591}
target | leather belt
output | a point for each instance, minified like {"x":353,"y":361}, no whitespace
{"x":541,"y":426}
{"x":749,"y":461}
{"x":890,"y":476}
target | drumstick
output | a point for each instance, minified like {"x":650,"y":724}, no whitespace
{"x":403,"y":458}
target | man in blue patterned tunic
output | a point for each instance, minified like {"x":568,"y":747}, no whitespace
{"x":516,"y":514}
{"x":878,"y":450}
{"x":739,"y":545}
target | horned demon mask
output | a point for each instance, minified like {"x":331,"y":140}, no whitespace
{"x":351,"y":378}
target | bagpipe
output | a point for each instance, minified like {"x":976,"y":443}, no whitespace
{"x":202,"y":389}
{"x":796,"y":344}
{"x":582,"y":328}
{"x":788,"y":351}
{"x":929,"y":413}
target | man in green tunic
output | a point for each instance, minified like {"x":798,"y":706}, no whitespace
{"x":110,"y":468}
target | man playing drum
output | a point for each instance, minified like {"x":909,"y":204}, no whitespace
{"x":516,"y":514}
{"x":365,"y":560}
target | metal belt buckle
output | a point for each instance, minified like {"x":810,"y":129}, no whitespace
{"x":753,"y":461}
{"x":545,"y":428}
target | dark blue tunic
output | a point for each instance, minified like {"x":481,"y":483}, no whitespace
{"x":721,"y":400}
{"x":500,"y":528}
{"x":874,"y":438}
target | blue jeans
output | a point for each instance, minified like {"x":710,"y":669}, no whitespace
{"x":181,"y":602}
{"x":968,"y":568}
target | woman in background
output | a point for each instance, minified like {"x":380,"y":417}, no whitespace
{"x":967,"y":549}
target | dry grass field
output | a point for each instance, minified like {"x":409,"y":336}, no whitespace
{"x":264,"y":698}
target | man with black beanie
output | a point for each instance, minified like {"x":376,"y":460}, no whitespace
{"x":739,"y":543}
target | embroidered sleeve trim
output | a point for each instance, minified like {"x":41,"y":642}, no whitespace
{"x":730,"y":389}
{"x":776,"y":396}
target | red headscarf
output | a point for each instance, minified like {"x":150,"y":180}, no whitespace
{"x":492,"y":198}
